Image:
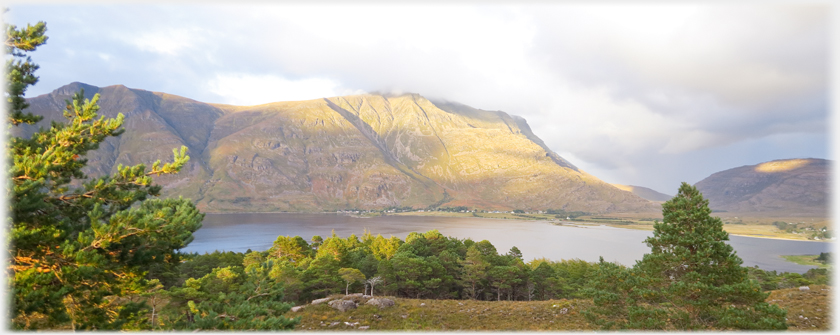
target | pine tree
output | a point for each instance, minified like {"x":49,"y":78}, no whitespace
{"x":691,"y":279}
{"x":76,"y":249}
{"x":20,"y":71}
{"x":235,"y":298}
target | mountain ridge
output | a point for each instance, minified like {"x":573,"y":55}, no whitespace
{"x":798,"y":186}
{"x":361,"y":151}
{"x":644,"y":192}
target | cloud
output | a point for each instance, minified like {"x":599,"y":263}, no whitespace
{"x":717,"y":75}
{"x":622,"y":91}
{"x":166,"y":42}
{"x":247,"y":90}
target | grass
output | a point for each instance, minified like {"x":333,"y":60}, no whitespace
{"x":807,"y":260}
{"x":807,"y":310}
{"x":450,"y":315}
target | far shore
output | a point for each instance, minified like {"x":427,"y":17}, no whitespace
{"x":752,"y":230}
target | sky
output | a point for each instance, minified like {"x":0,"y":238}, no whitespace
{"x":647,"y":94}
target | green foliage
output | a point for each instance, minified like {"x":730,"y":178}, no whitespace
{"x":818,"y":276}
{"x":824,"y":257}
{"x":474,"y":272}
{"x":350,"y":276}
{"x":233,"y":298}
{"x":197,"y":266}
{"x":771,"y":280}
{"x":380,"y":247}
{"x":569,"y":278}
{"x":320,"y":278}
{"x":293,"y":249}
{"x":75,"y":250}
{"x":20,"y":71}
{"x":691,"y":279}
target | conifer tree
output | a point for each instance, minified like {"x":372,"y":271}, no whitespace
{"x":75,"y":249}
{"x":20,"y":71}
{"x":235,"y":298}
{"x":473,"y":272}
{"x":691,"y":279}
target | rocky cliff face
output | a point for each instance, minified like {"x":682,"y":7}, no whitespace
{"x":363,"y":151}
{"x":795,"y":186}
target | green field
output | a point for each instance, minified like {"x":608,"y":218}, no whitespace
{"x":807,"y":260}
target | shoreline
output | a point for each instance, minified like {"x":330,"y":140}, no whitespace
{"x":562,"y":222}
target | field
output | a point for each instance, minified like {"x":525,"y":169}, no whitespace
{"x":807,"y":310}
{"x":807,"y":260}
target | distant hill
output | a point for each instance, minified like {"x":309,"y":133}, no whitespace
{"x":363,"y":151}
{"x":644,"y":192}
{"x":795,"y":186}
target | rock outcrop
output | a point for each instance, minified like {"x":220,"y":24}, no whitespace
{"x":382,"y":303}
{"x":343,"y":305}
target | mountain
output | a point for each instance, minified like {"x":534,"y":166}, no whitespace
{"x":795,"y":186}
{"x":644,"y":192}
{"x":363,"y":151}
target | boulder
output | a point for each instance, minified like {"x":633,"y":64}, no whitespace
{"x":342,"y":305}
{"x":804,"y":288}
{"x":353,"y":295}
{"x":382,"y":303}
{"x":296,"y":308}
{"x":318,"y":301}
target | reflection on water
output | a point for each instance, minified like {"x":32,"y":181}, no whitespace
{"x":536,"y":239}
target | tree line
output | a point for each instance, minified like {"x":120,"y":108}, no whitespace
{"x":425,"y":265}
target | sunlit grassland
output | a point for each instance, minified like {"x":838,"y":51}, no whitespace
{"x":807,"y":310}
{"x":450,"y":315}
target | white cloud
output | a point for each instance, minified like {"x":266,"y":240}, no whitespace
{"x":169,"y":42}
{"x":247,"y":89}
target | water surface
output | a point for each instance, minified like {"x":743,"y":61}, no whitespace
{"x":256,"y":231}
